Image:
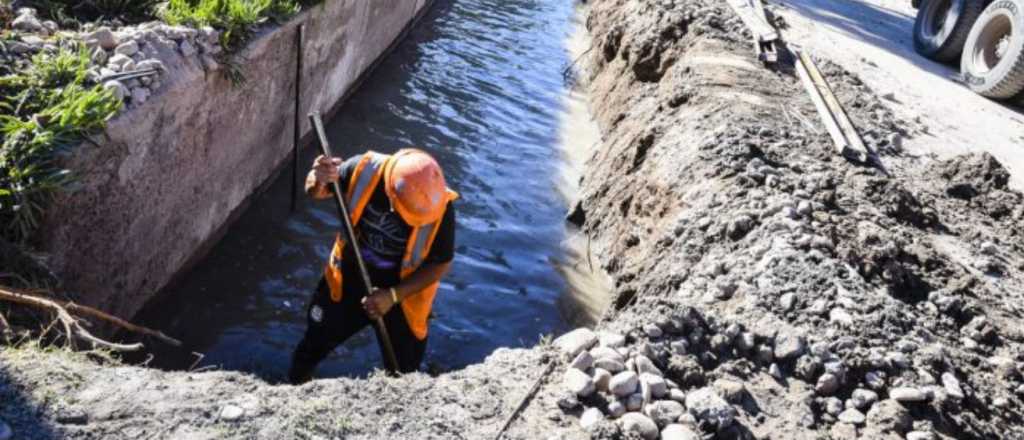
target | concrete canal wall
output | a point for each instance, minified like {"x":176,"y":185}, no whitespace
{"x":168,"y":175}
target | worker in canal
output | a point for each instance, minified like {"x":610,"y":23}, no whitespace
{"x":403,"y":217}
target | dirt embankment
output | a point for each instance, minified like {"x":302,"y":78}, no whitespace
{"x":811,"y":292}
{"x":768,"y":287}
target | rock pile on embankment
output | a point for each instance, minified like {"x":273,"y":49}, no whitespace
{"x":128,"y":60}
{"x":818,"y":297}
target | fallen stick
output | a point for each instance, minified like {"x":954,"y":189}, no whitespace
{"x":84,"y":310}
{"x":525,"y":400}
{"x":73,"y":327}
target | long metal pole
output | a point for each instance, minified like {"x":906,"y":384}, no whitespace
{"x":350,"y":238}
{"x":297,"y":130}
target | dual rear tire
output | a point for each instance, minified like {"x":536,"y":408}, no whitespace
{"x":988,"y":41}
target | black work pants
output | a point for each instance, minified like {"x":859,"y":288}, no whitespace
{"x":330,"y":323}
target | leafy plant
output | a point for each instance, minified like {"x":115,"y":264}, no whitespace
{"x":43,"y":110}
{"x":234,"y":18}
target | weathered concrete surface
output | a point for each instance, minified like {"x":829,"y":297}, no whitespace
{"x":169,"y":174}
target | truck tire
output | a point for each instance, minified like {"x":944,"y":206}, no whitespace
{"x":942,"y":26}
{"x":993,"y":60}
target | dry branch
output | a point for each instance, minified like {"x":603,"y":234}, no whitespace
{"x":73,"y":327}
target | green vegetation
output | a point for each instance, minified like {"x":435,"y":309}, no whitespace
{"x":47,"y":105}
{"x":234,"y":18}
{"x":44,"y":109}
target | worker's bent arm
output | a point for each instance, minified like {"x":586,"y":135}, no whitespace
{"x":314,"y":190}
{"x":421,"y":279}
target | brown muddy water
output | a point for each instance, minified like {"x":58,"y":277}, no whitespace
{"x":480,"y":85}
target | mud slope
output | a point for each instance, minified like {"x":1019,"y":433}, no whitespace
{"x":736,"y":228}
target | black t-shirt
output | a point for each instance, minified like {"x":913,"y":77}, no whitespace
{"x":383,"y":237}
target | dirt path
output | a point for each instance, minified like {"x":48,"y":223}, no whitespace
{"x":872,"y":38}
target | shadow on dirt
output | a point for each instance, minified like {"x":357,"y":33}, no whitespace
{"x":886,"y":29}
{"x":20,"y":413}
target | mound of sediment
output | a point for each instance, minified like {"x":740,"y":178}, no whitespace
{"x":756,"y":266}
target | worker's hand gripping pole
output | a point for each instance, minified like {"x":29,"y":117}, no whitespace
{"x":350,"y":239}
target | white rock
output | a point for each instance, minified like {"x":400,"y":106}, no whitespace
{"x":613,"y":366}
{"x":119,"y":90}
{"x":231,"y":412}
{"x":639,"y":424}
{"x":616,"y":409}
{"x":679,"y":347}
{"x":99,"y":56}
{"x":920,"y":435}
{"x":576,"y":341}
{"x":578,"y":383}
{"x":652,"y":331}
{"x":601,"y":379}
{"x":128,"y":48}
{"x":152,"y":64}
{"x":611,"y":340}
{"x":605,"y":352}
{"x":590,"y":417}
{"x":28,"y":23}
{"x":103,"y":37}
{"x":664,"y":412}
{"x":775,"y":371}
{"x":952,"y":386}
{"x":118,"y":60}
{"x":706,"y":405}
{"x":657,"y":384}
{"x":644,"y":364}
{"x":623,"y":384}
{"x":875,"y":380}
{"x":139,"y":97}
{"x":186,"y":48}
{"x":840,"y":316}
{"x":676,"y":431}
{"x":852,"y":416}
{"x":634,"y":402}
{"x":745,"y":341}
{"x":827,"y":384}
{"x":907,"y":394}
{"x":128,"y":66}
{"x":789,"y":345}
{"x":677,"y":395}
{"x":862,"y":399}
{"x":582,"y":361}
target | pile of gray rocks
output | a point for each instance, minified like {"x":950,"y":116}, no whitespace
{"x":666,"y":381}
{"x":130,"y":61}
{"x":633,"y":390}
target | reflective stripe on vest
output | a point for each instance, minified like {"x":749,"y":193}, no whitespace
{"x":365,"y":179}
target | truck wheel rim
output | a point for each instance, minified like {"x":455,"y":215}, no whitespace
{"x":993,"y":43}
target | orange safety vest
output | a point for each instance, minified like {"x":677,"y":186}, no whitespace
{"x":364,"y":181}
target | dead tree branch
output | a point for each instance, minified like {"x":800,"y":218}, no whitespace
{"x":73,"y":327}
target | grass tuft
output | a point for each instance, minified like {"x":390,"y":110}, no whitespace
{"x":43,"y":110}
{"x":234,"y":18}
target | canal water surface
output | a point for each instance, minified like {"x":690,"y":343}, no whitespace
{"x":480,"y":85}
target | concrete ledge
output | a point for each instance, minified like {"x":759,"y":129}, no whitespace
{"x":167,"y":176}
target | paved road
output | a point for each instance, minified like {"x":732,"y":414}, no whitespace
{"x":873,"y":38}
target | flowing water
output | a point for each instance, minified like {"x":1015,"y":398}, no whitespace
{"x":480,"y":85}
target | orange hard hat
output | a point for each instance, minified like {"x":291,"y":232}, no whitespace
{"x":415,"y":184}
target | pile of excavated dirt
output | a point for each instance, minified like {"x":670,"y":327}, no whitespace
{"x":769,"y":288}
